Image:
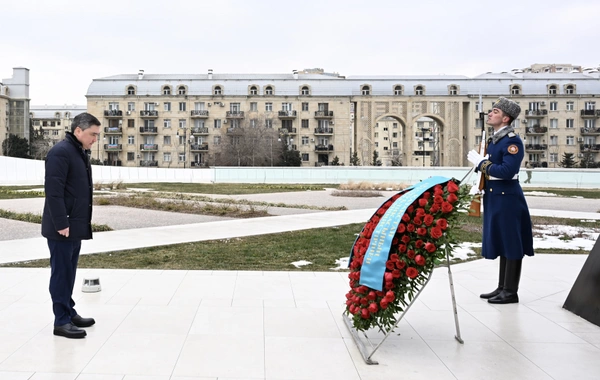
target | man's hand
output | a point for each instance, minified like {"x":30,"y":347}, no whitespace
{"x":64,"y":232}
{"x":475,"y":158}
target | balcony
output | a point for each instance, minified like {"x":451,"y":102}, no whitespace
{"x":536,"y":130}
{"x":234,"y":114}
{"x":199,"y":114}
{"x":539,"y":164}
{"x":323,"y":131}
{"x":113,"y":114}
{"x":148,"y":130}
{"x":590,"y":131}
{"x":148,"y":163}
{"x":146,"y":114}
{"x":536,"y":147}
{"x":287,"y":131}
{"x":199,"y":164}
{"x":113,"y":147}
{"x":200,"y":131}
{"x":112,"y":163}
{"x":536,"y":113}
{"x":199,"y":147}
{"x":590,"y":114}
{"x":113,"y":130}
{"x":589,"y":147}
{"x":287,"y":114}
{"x":323,"y":114}
{"x":149,"y":147}
{"x":324,"y":148}
{"x":234,"y":131}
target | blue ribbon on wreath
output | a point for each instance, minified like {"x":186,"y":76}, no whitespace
{"x":373,"y":266}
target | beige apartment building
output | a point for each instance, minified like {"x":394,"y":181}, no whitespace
{"x":181,"y":120}
{"x":14,"y":105}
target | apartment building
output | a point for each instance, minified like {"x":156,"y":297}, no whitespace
{"x":180,"y":120}
{"x":53,"y":120}
{"x":14,"y":105}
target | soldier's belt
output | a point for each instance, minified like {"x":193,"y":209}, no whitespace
{"x":515,"y":177}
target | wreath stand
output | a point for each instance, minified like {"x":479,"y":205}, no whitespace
{"x":364,"y":350}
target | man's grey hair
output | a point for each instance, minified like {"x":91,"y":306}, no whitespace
{"x":84,"y":121}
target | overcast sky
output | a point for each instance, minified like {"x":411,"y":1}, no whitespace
{"x":67,"y":43}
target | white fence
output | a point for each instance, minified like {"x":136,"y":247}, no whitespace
{"x":16,"y":171}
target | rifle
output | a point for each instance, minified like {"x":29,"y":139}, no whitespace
{"x":477,"y":189}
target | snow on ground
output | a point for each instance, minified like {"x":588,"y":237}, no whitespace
{"x":301,"y":263}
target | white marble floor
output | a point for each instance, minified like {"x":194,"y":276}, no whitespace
{"x":184,"y":325}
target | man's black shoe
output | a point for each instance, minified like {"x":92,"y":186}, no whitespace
{"x":79,"y":321}
{"x":490,"y":295}
{"x":504,"y":297}
{"x":69,"y":331}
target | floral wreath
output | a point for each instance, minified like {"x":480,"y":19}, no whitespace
{"x":422,"y":238}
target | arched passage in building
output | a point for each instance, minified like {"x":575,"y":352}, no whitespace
{"x":427,"y":142}
{"x":389,"y":137}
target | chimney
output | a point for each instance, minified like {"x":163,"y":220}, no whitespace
{"x":209,"y":73}
{"x":141,"y":75}
{"x":295,"y":74}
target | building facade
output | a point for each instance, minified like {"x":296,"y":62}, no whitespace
{"x":180,"y":120}
{"x":14,"y":105}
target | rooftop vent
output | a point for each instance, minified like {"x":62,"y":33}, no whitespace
{"x":141,"y":75}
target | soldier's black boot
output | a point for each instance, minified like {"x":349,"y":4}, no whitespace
{"x":501,"y":276}
{"x":511,"y":284}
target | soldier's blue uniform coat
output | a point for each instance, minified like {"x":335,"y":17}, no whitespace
{"x":506,"y":220}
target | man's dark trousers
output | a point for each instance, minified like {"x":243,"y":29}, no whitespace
{"x":64,"y":256}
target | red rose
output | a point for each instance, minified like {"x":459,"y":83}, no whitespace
{"x":373,"y":308}
{"x":410,"y":209}
{"x":405,"y":239}
{"x":418,"y":220}
{"x":389,"y":295}
{"x":364,"y":313}
{"x":426,"y":195}
{"x":410,"y":254}
{"x":452,"y":198}
{"x":384,"y":303}
{"x":452,"y":187}
{"x":410,"y":228}
{"x":401,"y":264}
{"x":402,"y":248}
{"x":401,"y":228}
{"x":438,"y":188}
{"x":394,"y":257}
{"x":420,"y":260}
{"x":354,"y":265}
{"x":419,"y":243}
{"x":430,"y":247}
{"x":389,"y":285}
{"x":375,"y":220}
{"x":387,"y":204}
{"x":447,"y":208}
{"x":420,"y":212}
{"x":421,"y":231}
{"x":389,"y":265}
{"x":395,"y":241}
{"x":364,"y":301}
{"x":406,"y":218}
{"x":361,"y":289}
{"x":411,"y":272}
{"x":438,"y":199}
{"x":396,"y":273}
{"x":434,"y":209}
{"x":348,"y":303}
{"x":428,"y":219}
{"x":442,"y":223}
{"x":436,"y":232}
{"x":387,"y":276}
{"x":379,"y":293}
{"x":422,"y":202}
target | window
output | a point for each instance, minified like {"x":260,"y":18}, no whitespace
{"x":54,"y":132}
{"x":130,"y":106}
{"x":130,"y":123}
{"x":130,"y":90}
{"x":182,"y":106}
{"x":217,"y":140}
{"x":534,"y":106}
{"x":235,"y":107}
{"x":182,"y":123}
{"x":217,"y":90}
{"x":268,"y":107}
{"x":304,"y":123}
{"x":167,"y":140}
{"x":398,"y":90}
{"x":166,"y":90}
{"x":515,"y":89}
{"x":570,"y":106}
{"x":394,"y":144}
{"x":552,"y":90}
{"x":376,"y":134}
{"x":323,"y":124}
{"x":304,"y":140}
{"x":570,"y":140}
{"x":130,"y":140}
{"x":268,"y":90}
{"x":589,"y":124}
{"x":112,"y":106}
{"x":304,"y":106}
{"x":305,"y":90}
{"x":419,"y":90}
{"x":253,"y":90}
{"x":553,"y":157}
{"x":181,"y":90}
{"x":199,"y":106}
{"x":217,"y":123}
{"x":199,"y":123}
{"x":553,"y":123}
{"x":569,"y":89}
{"x":167,"y":157}
{"x":453,"y":90}
{"x":365,"y":90}
{"x":167,"y":123}
{"x":590,"y":106}
{"x":323,"y":107}
{"x":253,"y":106}
{"x":167,"y":106}
{"x":395,"y":135}
{"x":376,"y":144}
{"x":570,"y":123}
{"x":286,"y":106}
{"x":305,"y":157}
{"x":269,"y":123}
{"x":553,"y":106}
{"x":553,"y":140}
{"x":181,"y":157}
{"x":395,"y":125}
{"x":130,"y":156}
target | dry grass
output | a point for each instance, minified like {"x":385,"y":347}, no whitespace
{"x":363,"y":185}
{"x":356,"y":193}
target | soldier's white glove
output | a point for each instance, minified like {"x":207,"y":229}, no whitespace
{"x":475,"y":158}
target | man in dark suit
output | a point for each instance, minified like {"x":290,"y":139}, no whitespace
{"x":67,"y":218}
{"x":507,"y":231}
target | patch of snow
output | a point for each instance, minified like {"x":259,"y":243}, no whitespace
{"x":301,"y":263}
{"x":540,"y":194}
{"x":341,"y":263}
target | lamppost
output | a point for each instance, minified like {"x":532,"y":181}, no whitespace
{"x":423,"y":130}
